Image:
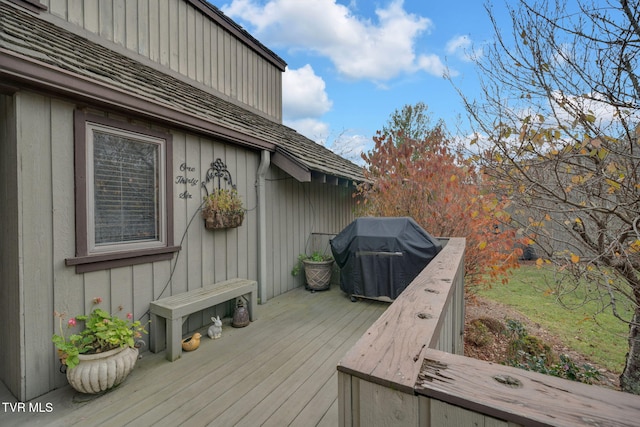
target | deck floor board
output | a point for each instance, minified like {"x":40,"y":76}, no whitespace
{"x":280,"y":370}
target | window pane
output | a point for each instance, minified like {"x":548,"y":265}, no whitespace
{"x":125,"y":189}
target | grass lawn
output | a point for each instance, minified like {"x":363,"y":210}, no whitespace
{"x":603,"y":339}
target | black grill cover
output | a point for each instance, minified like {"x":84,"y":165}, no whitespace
{"x":379,"y":257}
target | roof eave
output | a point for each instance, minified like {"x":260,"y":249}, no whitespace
{"x":44,"y":77}
{"x":291,"y":165}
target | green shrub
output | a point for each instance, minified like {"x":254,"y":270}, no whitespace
{"x":494,"y":325}
{"x":531,"y":353}
{"x":587,"y":328}
{"x":478,"y":334}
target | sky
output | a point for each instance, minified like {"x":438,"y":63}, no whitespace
{"x":352,"y":63}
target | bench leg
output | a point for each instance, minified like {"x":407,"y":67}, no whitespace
{"x":253,"y":303}
{"x":174,"y":337}
{"x":157,"y":330}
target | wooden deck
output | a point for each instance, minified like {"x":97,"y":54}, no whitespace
{"x":278,"y":371}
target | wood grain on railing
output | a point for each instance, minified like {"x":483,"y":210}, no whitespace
{"x":403,"y":371}
{"x":389,"y":353}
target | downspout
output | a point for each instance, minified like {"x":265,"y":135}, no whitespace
{"x":265,"y":161}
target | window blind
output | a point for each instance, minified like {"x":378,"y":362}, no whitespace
{"x":126,"y":192}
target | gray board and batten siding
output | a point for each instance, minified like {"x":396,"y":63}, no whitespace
{"x":191,"y":38}
{"x":37,"y":212}
{"x":44,"y":230}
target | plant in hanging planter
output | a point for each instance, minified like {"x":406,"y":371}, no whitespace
{"x":223,"y":209}
{"x":317,"y":270}
{"x":106,"y":340}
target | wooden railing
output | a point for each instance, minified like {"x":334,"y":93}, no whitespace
{"x":408,"y":370}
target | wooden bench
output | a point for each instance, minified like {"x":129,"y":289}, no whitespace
{"x":168,"y":314}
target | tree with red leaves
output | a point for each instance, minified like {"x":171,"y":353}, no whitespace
{"x":442,"y":191}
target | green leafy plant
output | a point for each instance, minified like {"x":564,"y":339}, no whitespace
{"x":568,"y":369}
{"x":564,"y":368}
{"x":223,"y":200}
{"x":315,"y":257}
{"x":223,"y":209}
{"x":478,"y":334}
{"x":516,"y":329}
{"x":102,"y":332}
{"x":522,"y":345}
{"x":530,"y":353}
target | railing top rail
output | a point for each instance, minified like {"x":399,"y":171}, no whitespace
{"x":398,"y":352}
{"x":389,"y":352}
{"x":520,"y":396}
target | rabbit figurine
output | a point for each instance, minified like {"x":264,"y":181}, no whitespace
{"x":215,"y":330}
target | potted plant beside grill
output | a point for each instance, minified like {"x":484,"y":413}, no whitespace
{"x":317,"y":270}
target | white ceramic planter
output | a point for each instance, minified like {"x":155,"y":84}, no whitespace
{"x":99,"y":372}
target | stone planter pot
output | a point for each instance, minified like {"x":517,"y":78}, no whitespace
{"x":99,"y":372}
{"x":318,"y":274}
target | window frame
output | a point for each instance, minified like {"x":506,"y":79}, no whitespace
{"x":136,"y":137}
{"x":88,"y":258}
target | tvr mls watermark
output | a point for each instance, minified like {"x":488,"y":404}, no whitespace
{"x":31,"y":407}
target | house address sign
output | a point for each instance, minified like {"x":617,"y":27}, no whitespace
{"x":217,"y":172}
{"x":184,"y":179}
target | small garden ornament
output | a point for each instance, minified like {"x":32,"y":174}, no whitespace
{"x":215,"y":330}
{"x":191,"y":343}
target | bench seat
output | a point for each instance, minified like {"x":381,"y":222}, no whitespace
{"x":168,"y":314}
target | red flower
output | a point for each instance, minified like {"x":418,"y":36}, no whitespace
{"x":71,"y":322}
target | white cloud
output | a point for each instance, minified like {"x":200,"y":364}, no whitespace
{"x":462,"y":48}
{"x":359,"y":48}
{"x":474,"y":143}
{"x":304,"y":101}
{"x":433,"y":65}
{"x":606,"y":116}
{"x":303,"y":94}
{"x":458,"y":43}
{"x":351,"y":146}
{"x":312,"y":128}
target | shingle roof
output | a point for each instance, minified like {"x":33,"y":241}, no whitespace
{"x":25,"y":36}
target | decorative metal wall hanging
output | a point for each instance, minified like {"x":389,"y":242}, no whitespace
{"x":219,"y":171}
{"x":223,"y":207}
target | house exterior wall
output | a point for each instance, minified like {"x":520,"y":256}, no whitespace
{"x":297,"y":210}
{"x":45,"y":226}
{"x":10,"y":294}
{"x":37,"y":181}
{"x":176,"y":35}
{"x":37,"y":282}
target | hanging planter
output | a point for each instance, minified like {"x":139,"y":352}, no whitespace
{"x":222,"y":209}
{"x":220,"y":220}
